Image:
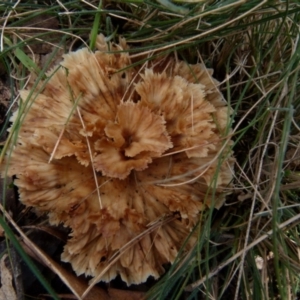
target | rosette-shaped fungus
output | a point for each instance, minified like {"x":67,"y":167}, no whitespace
{"x":122,"y":155}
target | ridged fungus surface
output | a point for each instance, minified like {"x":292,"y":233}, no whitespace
{"x":123,"y":155}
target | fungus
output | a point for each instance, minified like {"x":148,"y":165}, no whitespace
{"x":114,"y":154}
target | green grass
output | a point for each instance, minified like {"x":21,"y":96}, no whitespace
{"x":253,"y":46}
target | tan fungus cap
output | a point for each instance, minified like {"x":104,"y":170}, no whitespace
{"x":110,"y":153}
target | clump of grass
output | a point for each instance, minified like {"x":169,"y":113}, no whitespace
{"x":248,"y":249}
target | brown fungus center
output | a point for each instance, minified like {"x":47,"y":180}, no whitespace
{"x":131,"y":142}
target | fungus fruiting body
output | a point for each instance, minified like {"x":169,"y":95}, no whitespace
{"x":114,"y":151}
